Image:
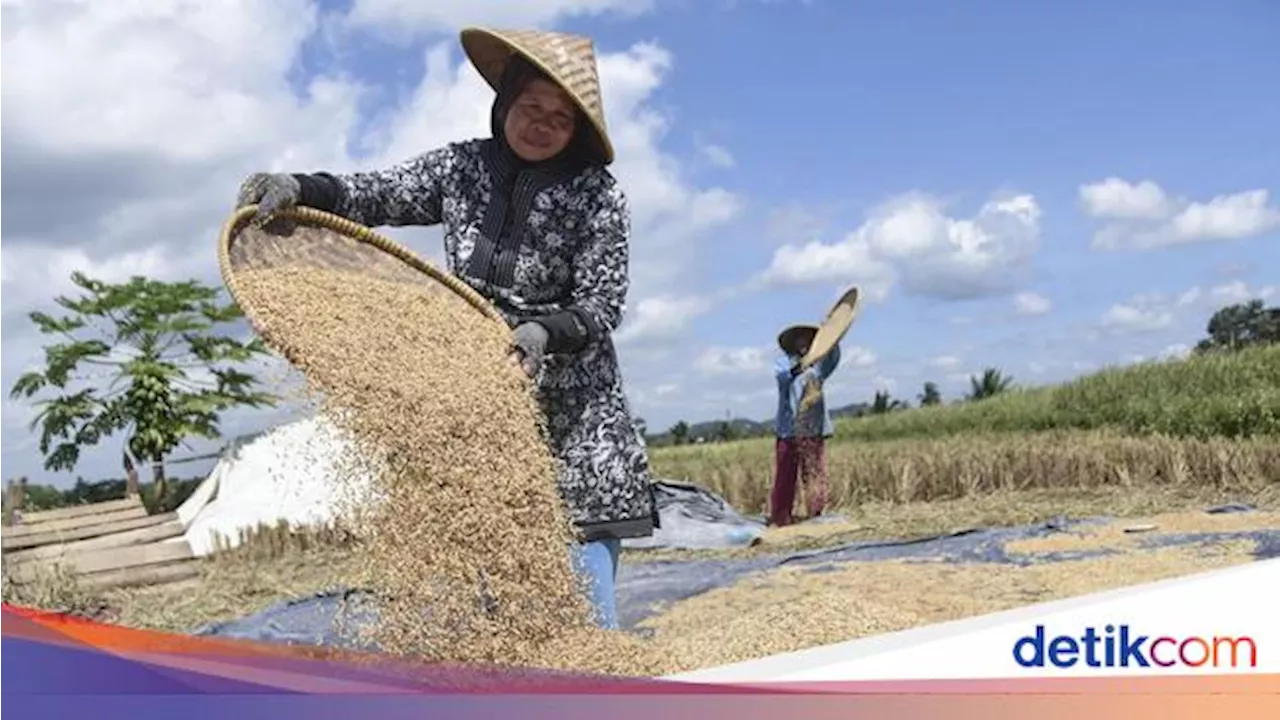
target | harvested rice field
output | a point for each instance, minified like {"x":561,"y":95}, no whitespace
{"x":1153,"y":530}
{"x":794,"y":609}
{"x":772,"y":611}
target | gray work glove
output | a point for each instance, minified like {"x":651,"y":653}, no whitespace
{"x":270,"y":192}
{"x":530,"y":347}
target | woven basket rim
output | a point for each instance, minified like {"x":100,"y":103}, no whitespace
{"x":831,"y":332}
{"x":353,"y":230}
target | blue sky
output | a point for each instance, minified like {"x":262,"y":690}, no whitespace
{"x":776,"y":152}
{"x":833,"y":107}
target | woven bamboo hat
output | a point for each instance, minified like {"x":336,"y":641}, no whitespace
{"x":569,"y":60}
{"x":791,"y":338}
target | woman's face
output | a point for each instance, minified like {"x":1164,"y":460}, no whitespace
{"x":540,"y":122}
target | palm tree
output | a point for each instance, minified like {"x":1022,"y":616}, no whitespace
{"x":992,"y":383}
{"x":883,"y":403}
{"x":931,"y":395}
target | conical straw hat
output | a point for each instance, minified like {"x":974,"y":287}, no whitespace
{"x":791,"y":337}
{"x":569,"y":60}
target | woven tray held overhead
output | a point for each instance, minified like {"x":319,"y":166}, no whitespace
{"x":306,"y":237}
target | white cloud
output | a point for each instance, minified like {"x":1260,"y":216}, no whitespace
{"x":732,"y":361}
{"x":884,"y":382}
{"x":855,"y":356}
{"x":1238,"y":292}
{"x":1029,"y":303}
{"x":849,"y":262}
{"x":130,"y":125}
{"x":1143,"y":216}
{"x":1190,"y":297}
{"x":945,"y":362}
{"x":1115,"y":198}
{"x":1134,"y":318}
{"x":912,"y":240}
{"x":1177,"y":351}
{"x":404,"y":18}
{"x":717,"y":155}
{"x":1230,"y":293}
{"x":660,"y":318}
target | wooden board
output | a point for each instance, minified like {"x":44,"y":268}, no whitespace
{"x":83,"y":533}
{"x":143,"y":575}
{"x":116,"y":558}
{"x":141,"y":536}
{"x":76,"y":522}
{"x":80,"y":510}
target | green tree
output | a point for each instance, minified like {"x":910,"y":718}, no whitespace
{"x":991,"y":383}
{"x":931,"y":395}
{"x":884,"y":403}
{"x":726,"y":432}
{"x":1241,"y":325}
{"x":679,"y":433}
{"x":141,"y":358}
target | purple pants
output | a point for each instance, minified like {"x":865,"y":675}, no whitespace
{"x":798,"y":460}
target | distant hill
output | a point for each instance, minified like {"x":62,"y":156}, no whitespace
{"x":738,"y":428}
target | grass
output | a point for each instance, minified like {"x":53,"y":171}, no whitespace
{"x":948,"y":468}
{"x":1235,"y":396}
{"x":1208,"y":421}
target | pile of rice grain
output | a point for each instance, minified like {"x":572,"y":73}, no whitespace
{"x":465,"y":533}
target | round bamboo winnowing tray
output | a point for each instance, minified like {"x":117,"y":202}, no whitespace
{"x":306,"y":237}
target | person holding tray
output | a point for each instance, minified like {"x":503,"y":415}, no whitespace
{"x":533,"y":221}
{"x":802,"y":424}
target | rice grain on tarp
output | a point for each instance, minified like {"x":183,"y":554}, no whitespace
{"x":463,"y":528}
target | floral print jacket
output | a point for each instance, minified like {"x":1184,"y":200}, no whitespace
{"x":568,"y":261}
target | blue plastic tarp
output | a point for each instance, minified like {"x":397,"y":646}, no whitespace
{"x":645,"y":587}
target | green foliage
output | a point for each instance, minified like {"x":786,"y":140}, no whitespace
{"x":1241,"y":325}
{"x":992,"y":383}
{"x":140,"y":358}
{"x":1216,"y":394}
{"x":726,"y":432}
{"x":931,"y":395}
{"x":884,"y":403}
{"x":679,"y":433}
{"x":38,"y":498}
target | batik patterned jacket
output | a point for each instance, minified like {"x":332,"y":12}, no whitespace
{"x":567,"y":256}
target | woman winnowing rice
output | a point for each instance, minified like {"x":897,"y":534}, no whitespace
{"x":534,"y":222}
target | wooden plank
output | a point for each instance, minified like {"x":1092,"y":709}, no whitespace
{"x":117,"y":558}
{"x":78,"y":522}
{"x":121,"y":539}
{"x":79,"y":510}
{"x":84,"y":533}
{"x":142,"y":575}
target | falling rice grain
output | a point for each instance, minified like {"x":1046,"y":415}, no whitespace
{"x":465,"y":536}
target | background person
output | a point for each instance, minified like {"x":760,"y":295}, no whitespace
{"x":801,"y":432}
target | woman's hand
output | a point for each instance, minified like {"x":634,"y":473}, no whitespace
{"x":270,"y":192}
{"x":529,"y":347}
